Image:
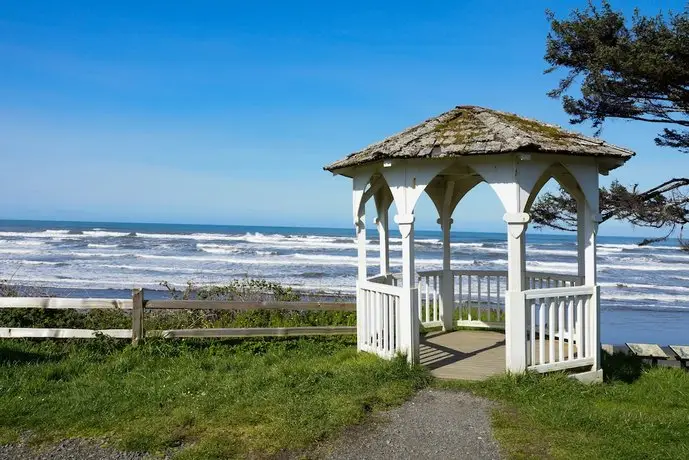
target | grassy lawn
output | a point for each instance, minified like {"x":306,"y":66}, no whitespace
{"x":639,"y":413}
{"x":250,"y":398}
{"x":210,"y":399}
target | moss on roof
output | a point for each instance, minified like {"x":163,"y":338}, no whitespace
{"x":471,"y":130}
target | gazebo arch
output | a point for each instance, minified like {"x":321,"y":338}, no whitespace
{"x":547,"y":327}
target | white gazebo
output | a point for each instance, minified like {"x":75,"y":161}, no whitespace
{"x":551,"y":321}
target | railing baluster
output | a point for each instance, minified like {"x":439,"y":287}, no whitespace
{"x":364,"y":317}
{"x":456,"y":291}
{"x":551,"y":329}
{"x":376,"y":304}
{"x":580,"y":329}
{"x":427,"y":298}
{"x":570,"y":328}
{"x":460,"y":281}
{"x":434,"y":316}
{"x":561,"y":338}
{"x":469,"y":296}
{"x":585,"y":327}
{"x":499,"y":303}
{"x":541,"y":334}
{"x":398,"y":323}
{"x":420,"y":293}
{"x":367,"y":318}
{"x":387,"y":324}
{"x":479,"y":300}
{"x":372,"y":311}
{"x":490,"y":306}
{"x":532,"y":332}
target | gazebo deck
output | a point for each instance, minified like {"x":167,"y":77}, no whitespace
{"x":464,"y":354}
{"x":468,"y":354}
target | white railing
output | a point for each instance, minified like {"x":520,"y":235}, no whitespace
{"x":429,"y":298}
{"x":390,"y":279}
{"x":479,"y":295}
{"x":378,"y":318}
{"x":562,"y":327}
{"x":539,"y":280}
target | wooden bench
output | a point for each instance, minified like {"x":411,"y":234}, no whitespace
{"x":682,"y":353}
{"x":647,"y":351}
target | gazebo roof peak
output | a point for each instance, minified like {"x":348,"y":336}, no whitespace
{"x":472,"y":130}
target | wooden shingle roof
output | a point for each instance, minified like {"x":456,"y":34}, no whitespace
{"x":472,"y":130}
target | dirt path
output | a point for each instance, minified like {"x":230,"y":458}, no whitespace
{"x":434,"y":424}
{"x":70,"y":449}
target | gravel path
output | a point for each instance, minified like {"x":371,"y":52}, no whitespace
{"x":70,"y":449}
{"x":434,"y":424}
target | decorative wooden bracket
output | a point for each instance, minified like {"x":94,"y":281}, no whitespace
{"x":516,"y":223}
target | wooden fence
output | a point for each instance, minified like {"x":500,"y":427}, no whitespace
{"x":138,"y":306}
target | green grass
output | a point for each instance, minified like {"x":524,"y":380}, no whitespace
{"x":173,"y":319}
{"x":639,"y":413}
{"x":203,"y":399}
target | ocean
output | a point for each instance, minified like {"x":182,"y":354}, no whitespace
{"x":644,"y":290}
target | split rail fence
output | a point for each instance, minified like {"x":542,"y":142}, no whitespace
{"x":137,"y":306}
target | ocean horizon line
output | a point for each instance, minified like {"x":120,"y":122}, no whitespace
{"x":306,"y":227}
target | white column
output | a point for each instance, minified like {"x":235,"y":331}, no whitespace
{"x":409,"y":316}
{"x":581,"y":236}
{"x":447,"y":291}
{"x":360,"y":227}
{"x":591,"y":229}
{"x":515,"y":308}
{"x":361,"y":247}
{"x":384,"y":240}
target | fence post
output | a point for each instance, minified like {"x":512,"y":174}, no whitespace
{"x":137,"y":316}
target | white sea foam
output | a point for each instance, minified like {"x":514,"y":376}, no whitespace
{"x":654,"y":287}
{"x":621,"y":294}
{"x":218,"y":248}
{"x":677,"y":277}
{"x":164,"y":268}
{"x":103,"y":234}
{"x":651,"y":266}
{"x":17,"y":251}
{"x":99,"y":254}
{"x":636,"y":247}
{"x":110,"y":258}
{"x":38,"y":262}
{"x":28,"y":243}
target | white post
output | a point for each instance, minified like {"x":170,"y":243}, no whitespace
{"x":591,"y":229}
{"x":515,"y":308}
{"x":447,"y":291}
{"x":384,"y":239}
{"x":361,"y":248}
{"x":581,"y":237}
{"x":409,"y":315}
{"x":361,"y":276}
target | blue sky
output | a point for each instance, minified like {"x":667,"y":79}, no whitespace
{"x":225,"y":112}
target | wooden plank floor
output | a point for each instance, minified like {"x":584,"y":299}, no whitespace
{"x":464,"y":355}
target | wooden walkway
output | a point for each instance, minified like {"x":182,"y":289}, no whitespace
{"x":464,"y":355}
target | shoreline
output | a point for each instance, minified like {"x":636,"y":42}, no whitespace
{"x":151,"y":293}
